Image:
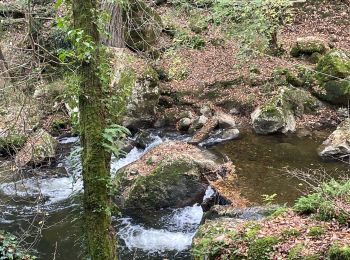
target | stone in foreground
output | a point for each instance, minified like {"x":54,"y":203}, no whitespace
{"x":337,"y":144}
{"x":172,"y":175}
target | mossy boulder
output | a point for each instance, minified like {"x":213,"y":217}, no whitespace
{"x":278,"y":114}
{"x":135,"y":93}
{"x":308,"y":46}
{"x":337,"y":144}
{"x":173,"y":175}
{"x":142,"y":26}
{"x":334,"y":77}
{"x":40,"y":148}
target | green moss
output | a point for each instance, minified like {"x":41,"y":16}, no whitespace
{"x":11,"y":142}
{"x":262,"y":248}
{"x":198,"y":23}
{"x":316,"y":231}
{"x":337,"y":252}
{"x":212,"y":240}
{"x":276,"y":211}
{"x":321,"y":202}
{"x":291,"y":232}
{"x":295,"y":252}
{"x":251,"y":229}
{"x":333,"y":78}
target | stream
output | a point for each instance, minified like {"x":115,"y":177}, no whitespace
{"x":51,"y":205}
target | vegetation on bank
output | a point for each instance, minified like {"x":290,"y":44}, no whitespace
{"x":9,"y":248}
{"x":317,"y":227}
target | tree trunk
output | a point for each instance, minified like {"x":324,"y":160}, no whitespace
{"x":114,"y":26}
{"x":100,"y":236}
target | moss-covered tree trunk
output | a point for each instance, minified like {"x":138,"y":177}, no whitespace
{"x":100,"y":236}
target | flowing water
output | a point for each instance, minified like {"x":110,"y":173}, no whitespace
{"x":51,"y":204}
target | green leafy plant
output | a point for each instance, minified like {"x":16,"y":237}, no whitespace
{"x":329,"y":201}
{"x":10,"y":250}
{"x":268,"y":199}
{"x":114,"y":137}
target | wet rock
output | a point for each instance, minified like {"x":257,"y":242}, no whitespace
{"x":198,"y":123}
{"x":174,"y":174}
{"x":308,"y":46}
{"x":337,"y":145}
{"x":230,"y":134}
{"x":225,"y":120}
{"x":334,"y":77}
{"x":184,"y":124}
{"x":40,"y":148}
{"x":205,"y":131}
{"x":142,"y":139}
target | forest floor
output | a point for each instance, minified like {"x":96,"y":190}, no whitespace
{"x":218,"y":75}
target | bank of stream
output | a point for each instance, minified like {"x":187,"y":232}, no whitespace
{"x":260,"y":160}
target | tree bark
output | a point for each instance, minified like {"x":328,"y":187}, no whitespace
{"x":5,"y":77}
{"x":114,"y":26}
{"x":100,"y":235}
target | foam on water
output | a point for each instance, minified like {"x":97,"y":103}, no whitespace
{"x":134,"y":154}
{"x":179,"y":229}
{"x":57,"y":189}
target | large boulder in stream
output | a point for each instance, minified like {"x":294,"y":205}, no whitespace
{"x":334,"y":77}
{"x":277,"y":115}
{"x":172,"y":175}
{"x":337,"y":145}
{"x":134,"y":86}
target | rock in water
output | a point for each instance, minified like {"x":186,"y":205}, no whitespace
{"x":337,"y":144}
{"x":278,"y":114}
{"x":174,"y":174}
{"x":39,"y":148}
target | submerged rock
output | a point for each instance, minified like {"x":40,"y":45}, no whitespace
{"x":173,"y":174}
{"x":337,"y":144}
{"x":334,"y":77}
{"x":40,"y":147}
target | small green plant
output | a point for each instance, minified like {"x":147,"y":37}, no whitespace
{"x":251,"y":230}
{"x":295,"y":252}
{"x":184,"y":38}
{"x":114,"y":137}
{"x":268,"y":199}
{"x":337,"y":252}
{"x":262,"y":248}
{"x":321,"y":202}
{"x":10,"y":250}
{"x":291,"y":232}
{"x":316,"y":231}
